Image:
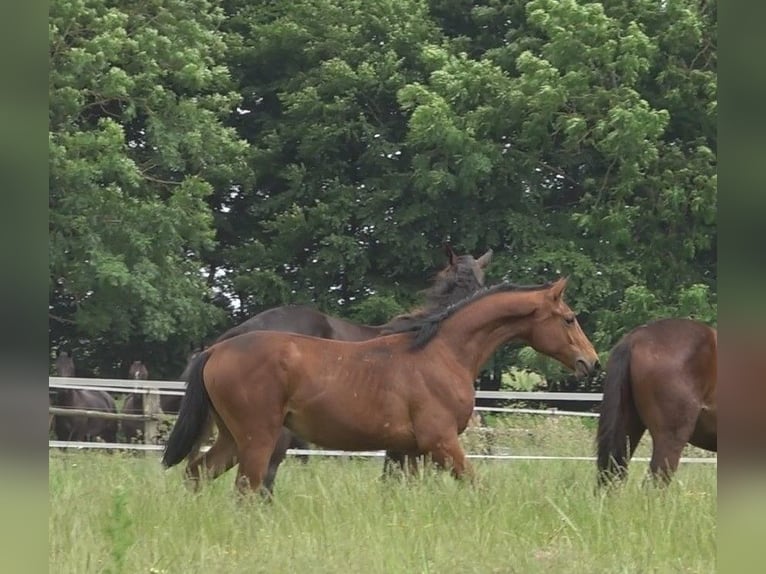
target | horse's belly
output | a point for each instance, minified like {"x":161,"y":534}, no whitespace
{"x":347,"y":432}
{"x":705,"y":434}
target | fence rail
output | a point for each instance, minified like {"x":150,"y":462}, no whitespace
{"x":117,"y":385}
{"x":137,"y":386}
{"x":153,"y":415}
{"x":357,"y":454}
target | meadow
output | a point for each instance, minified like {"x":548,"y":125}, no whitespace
{"x":115,"y":513}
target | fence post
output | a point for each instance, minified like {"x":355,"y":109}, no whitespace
{"x":151,"y":409}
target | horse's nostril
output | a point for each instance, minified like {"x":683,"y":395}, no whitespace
{"x":586,"y":367}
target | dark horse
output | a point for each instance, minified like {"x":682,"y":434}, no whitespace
{"x":134,"y":403}
{"x":171,"y":403}
{"x":410,"y":392}
{"x":462,"y":276}
{"x":82,"y":428}
{"x":660,"y":376}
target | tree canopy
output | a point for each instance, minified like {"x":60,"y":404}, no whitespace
{"x":211,"y":160}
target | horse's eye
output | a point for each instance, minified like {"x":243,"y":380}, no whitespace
{"x":569,"y":320}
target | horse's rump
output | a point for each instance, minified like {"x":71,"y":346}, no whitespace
{"x":661,"y":377}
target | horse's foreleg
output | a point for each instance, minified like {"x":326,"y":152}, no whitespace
{"x":447,"y":453}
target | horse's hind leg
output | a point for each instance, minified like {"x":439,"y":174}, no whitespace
{"x":634,"y":429}
{"x":277,"y":456}
{"x":220,"y":458}
{"x":669,"y":442}
{"x":412,"y":465}
{"x":299,"y":443}
{"x":254,"y":463}
{"x":664,"y":462}
{"x":392,"y":462}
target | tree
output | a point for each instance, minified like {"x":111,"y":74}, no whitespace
{"x":321,"y":151}
{"x":595,"y":125}
{"x":138,"y":95}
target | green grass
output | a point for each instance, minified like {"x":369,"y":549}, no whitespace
{"x":122,"y":513}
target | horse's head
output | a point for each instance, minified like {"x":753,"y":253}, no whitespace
{"x":138,"y":370}
{"x":64,"y":365}
{"x":462,"y":276}
{"x":556,"y":332}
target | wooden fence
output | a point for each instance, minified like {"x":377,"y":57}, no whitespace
{"x":153,"y":415}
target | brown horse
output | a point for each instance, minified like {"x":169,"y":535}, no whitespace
{"x":410,"y":392}
{"x":134,"y":403}
{"x":81,"y":428}
{"x":660,"y":376}
{"x":462,"y":276}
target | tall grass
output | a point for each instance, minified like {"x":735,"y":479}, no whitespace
{"x":122,"y":513}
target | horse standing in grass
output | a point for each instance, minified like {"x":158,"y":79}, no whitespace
{"x":134,"y":403}
{"x":462,"y":276}
{"x":662,"y":377}
{"x":82,"y":428}
{"x":410,"y":392}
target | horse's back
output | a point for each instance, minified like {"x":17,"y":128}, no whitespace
{"x":298,"y":319}
{"x":100,"y":400}
{"x":679,"y":343}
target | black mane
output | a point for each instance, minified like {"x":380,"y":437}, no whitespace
{"x":448,"y":289}
{"x":426,"y":327}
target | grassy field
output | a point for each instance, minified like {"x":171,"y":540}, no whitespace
{"x":122,"y":513}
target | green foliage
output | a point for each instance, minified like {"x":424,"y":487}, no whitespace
{"x":211,"y":161}
{"x":522,"y":380}
{"x":640,"y":305}
{"x":138,"y":94}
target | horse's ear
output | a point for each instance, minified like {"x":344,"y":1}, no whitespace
{"x":450,"y":254}
{"x":558,"y":288}
{"x":484,"y":260}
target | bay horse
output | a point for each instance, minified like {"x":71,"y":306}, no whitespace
{"x":662,"y":377}
{"x":410,"y":392}
{"x":462,"y":276}
{"x":82,"y":428}
{"x":134,"y":403}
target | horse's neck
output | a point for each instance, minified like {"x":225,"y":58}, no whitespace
{"x":477,"y":330}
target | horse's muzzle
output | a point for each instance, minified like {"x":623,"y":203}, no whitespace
{"x":585,"y":368}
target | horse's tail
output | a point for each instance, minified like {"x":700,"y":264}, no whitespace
{"x":611,"y":436}
{"x":193,"y":416}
